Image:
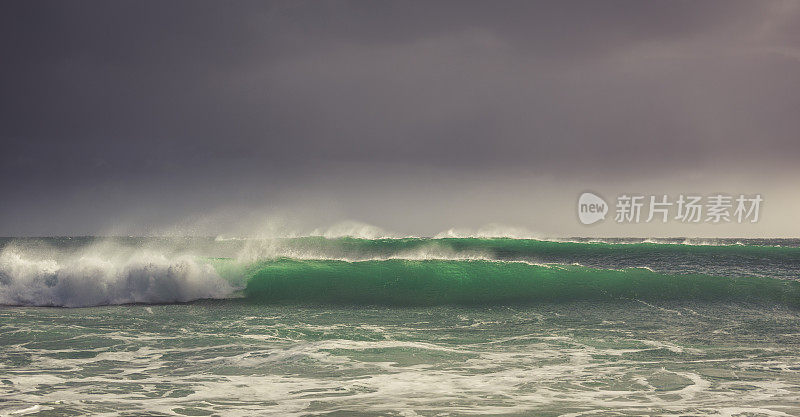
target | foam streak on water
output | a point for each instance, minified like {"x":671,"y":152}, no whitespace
{"x":236,"y":358}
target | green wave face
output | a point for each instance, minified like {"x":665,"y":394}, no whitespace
{"x":432,"y":282}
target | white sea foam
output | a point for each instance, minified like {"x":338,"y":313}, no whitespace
{"x":103,"y":276}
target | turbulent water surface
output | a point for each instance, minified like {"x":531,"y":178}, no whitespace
{"x":414,"y":326}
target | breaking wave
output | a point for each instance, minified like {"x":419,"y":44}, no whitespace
{"x":92,"y":280}
{"x":394,"y":271}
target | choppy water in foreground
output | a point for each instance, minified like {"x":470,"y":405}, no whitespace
{"x":316,"y":326}
{"x":238,"y":358}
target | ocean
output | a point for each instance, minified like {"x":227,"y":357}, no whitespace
{"x":399,"y":326}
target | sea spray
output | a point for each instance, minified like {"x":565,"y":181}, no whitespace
{"x":93,"y":278}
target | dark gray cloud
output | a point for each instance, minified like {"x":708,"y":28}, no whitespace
{"x":152,"y":104}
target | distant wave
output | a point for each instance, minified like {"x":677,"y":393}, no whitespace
{"x":349,"y":248}
{"x":490,"y":231}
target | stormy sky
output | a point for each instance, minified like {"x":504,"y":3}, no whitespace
{"x":209,"y":117}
